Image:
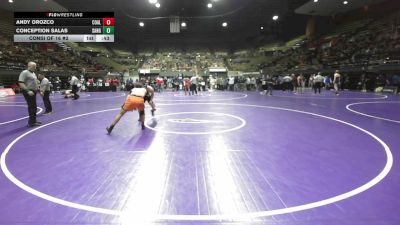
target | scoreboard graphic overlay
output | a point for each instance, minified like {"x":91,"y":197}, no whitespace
{"x":64,"y":26}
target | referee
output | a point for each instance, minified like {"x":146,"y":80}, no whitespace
{"x":74,"y":86}
{"x":28,"y":83}
{"x":45,"y":93}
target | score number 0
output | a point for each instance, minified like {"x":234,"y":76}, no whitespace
{"x":108,"y":21}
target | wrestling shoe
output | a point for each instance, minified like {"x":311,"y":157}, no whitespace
{"x":109,"y":129}
{"x":34,"y":124}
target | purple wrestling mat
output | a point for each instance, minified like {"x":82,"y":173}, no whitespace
{"x":217,"y":158}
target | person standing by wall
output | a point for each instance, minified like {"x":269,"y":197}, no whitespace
{"x":270,"y":84}
{"x":193,"y":84}
{"x":286,"y":81}
{"x":327,"y":82}
{"x":336,"y":81}
{"x":159,"y":83}
{"x":311,"y":81}
{"x":212,"y":82}
{"x":28,"y":83}
{"x":199,"y":83}
{"x":45,"y":93}
{"x":318,"y":80}
{"x":57,"y":85}
{"x":231,"y":83}
{"x":300,"y":83}
{"x":186,"y":85}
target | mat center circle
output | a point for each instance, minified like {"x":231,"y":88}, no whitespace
{"x":195,"y":123}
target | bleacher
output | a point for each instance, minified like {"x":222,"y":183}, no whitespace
{"x":6,"y":24}
{"x":350,"y":27}
{"x":358,"y":44}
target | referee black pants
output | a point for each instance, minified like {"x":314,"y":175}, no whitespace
{"x":75,"y":90}
{"x":46,"y":101}
{"x":317,"y":87}
{"x":32,"y":107}
{"x":193,"y":88}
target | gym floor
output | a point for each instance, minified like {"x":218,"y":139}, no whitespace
{"x":217,"y":158}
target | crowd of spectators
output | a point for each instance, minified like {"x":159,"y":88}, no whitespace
{"x":189,"y":62}
{"x":49,"y":56}
{"x":210,"y":82}
{"x":170,"y":61}
{"x":375,"y":43}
